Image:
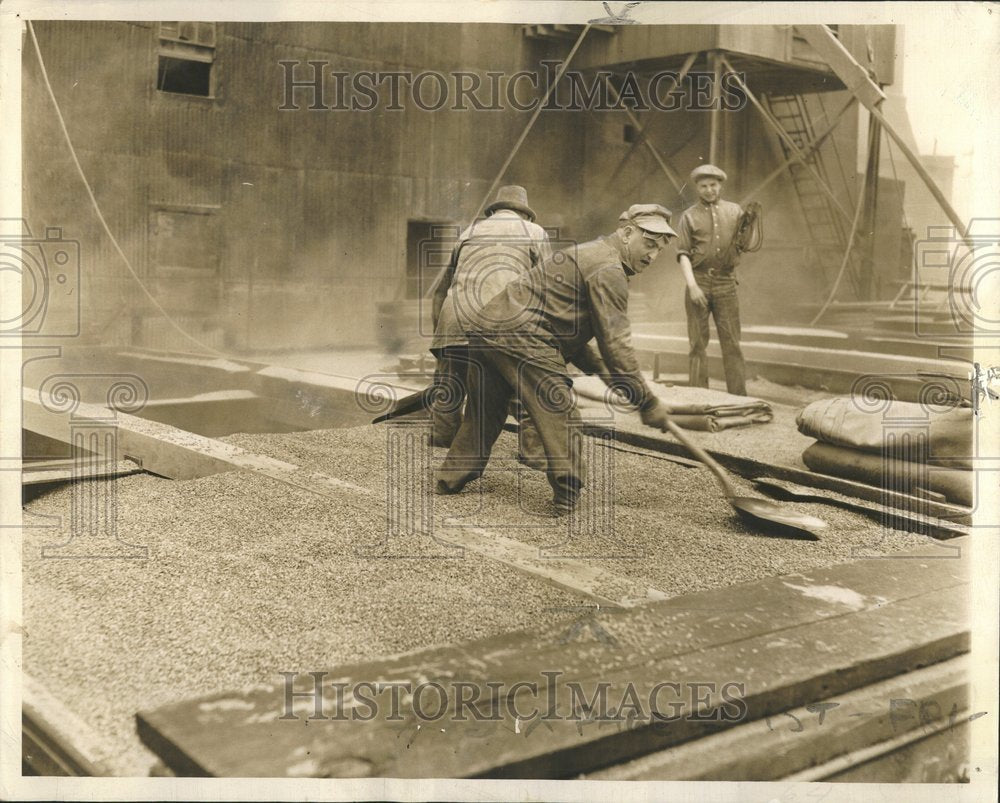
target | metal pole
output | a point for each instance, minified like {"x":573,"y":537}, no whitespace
{"x":855,"y":78}
{"x":714,"y":121}
{"x":641,"y":132}
{"x":924,"y":175}
{"x":531,"y":122}
{"x":866,"y":280}
{"x":847,"y":251}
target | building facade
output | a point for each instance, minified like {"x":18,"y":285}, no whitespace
{"x":263,"y":206}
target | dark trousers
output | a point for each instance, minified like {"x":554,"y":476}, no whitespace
{"x":494,"y":378}
{"x":724,"y":307}
{"x":451,"y":381}
{"x":449,"y":396}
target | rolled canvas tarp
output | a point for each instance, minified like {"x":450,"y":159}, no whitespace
{"x":692,"y":408}
{"x":890,"y":472}
{"x":896,"y":427}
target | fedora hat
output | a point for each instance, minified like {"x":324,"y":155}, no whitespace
{"x":512,"y":197}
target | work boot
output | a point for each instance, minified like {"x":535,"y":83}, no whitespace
{"x":444,"y":488}
{"x":564,"y":505}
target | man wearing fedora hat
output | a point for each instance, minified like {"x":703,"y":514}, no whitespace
{"x":490,"y":253}
{"x":706,"y":231}
{"x":527,"y":333}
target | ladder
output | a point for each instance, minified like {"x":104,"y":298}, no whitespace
{"x":826,"y":229}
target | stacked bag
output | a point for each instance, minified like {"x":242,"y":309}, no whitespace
{"x":900,"y":446}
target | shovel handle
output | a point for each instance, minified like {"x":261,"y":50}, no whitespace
{"x":704,"y":457}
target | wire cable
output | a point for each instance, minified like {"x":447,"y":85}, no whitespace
{"x":531,"y":121}
{"x":97,"y":208}
{"x":750,"y":234}
{"x":513,"y":152}
{"x":847,"y":251}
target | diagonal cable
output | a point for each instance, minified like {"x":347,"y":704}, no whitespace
{"x":97,"y":208}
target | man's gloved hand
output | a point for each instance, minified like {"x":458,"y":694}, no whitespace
{"x":655,"y":417}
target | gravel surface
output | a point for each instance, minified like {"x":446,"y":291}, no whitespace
{"x":674,"y":529}
{"x":671,"y":527}
{"x":248,"y":577}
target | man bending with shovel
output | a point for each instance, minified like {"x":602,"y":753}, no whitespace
{"x":524,"y":337}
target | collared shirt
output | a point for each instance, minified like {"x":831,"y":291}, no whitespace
{"x":705,"y":231}
{"x":550,"y":314}
{"x":491,"y":253}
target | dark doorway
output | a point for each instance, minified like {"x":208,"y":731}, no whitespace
{"x":428,"y":248}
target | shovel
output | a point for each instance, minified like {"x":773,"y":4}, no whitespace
{"x":760,"y":511}
{"x":408,"y":404}
{"x":900,"y":518}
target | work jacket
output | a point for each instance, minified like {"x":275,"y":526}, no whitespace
{"x":551,"y":313}
{"x":490,"y":253}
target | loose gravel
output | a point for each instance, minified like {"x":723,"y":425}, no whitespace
{"x":248,"y":577}
{"x":671,"y":528}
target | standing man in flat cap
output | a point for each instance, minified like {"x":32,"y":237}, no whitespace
{"x":706,"y":232}
{"x":538,"y":323}
{"x":490,"y":253}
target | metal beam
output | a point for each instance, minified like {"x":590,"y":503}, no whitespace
{"x":715,"y":122}
{"x":843,"y":64}
{"x":531,"y":122}
{"x":806,"y":151}
{"x":847,"y":69}
{"x":859,"y":204}
{"x":641,"y":129}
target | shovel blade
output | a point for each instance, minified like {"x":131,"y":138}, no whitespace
{"x":408,"y":404}
{"x":779,"y":520}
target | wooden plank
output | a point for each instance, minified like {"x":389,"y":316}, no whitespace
{"x":951,"y":515}
{"x":888,"y":516}
{"x":788,"y":364}
{"x":45,"y":476}
{"x":840,"y":360}
{"x":807,"y":737}
{"x":55,"y":741}
{"x":833,"y":53}
{"x":313,"y":400}
{"x":789,"y":640}
{"x":941,"y":756}
{"x":60,"y":463}
{"x":213,"y":414}
{"x":158,"y":448}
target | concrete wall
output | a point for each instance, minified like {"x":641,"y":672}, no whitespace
{"x":306,"y":212}
{"x":257,"y":228}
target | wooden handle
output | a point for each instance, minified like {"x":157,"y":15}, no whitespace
{"x":704,"y":457}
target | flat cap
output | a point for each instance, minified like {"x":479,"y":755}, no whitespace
{"x":707,"y":171}
{"x":649,"y":217}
